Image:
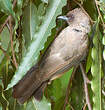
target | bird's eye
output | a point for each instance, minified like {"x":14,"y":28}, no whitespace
{"x":70,"y":17}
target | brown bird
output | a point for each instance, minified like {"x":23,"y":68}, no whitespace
{"x":68,"y":49}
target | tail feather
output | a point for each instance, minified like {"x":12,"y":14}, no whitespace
{"x":27,"y":86}
{"x":39,"y":93}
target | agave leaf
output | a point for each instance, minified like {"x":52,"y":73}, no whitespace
{"x":96,"y":70}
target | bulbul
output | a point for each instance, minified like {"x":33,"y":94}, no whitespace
{"x":67,"y":50}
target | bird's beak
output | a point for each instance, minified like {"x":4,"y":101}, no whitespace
{"x":63,"y":18}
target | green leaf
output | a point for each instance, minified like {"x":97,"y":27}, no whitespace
{"x":41,"y":10}
{"x":89,"y":61}
{"x":6,"y":6}
{"x":2,"y":63}
{"x":5,"y":38}
{"x":43,"y":105}
{"x":96,"y":70}
{"x":0,"y":107}
{"x":15,"y":106}
{"x":57,"y":90}
{"x":58,"y":105}
{"x":3,"y":100}
{"x":19,"y":8}
{"x":39,"y":39}
{"x":45,"y":1}
{"x":2,"y":17}
{"x":1,"y":56}
{"x":77,"y":91}
{"x":30,"y":22}
{"x":90,"y":6}
{"x":36,"y":105}
{"x":104,"y":54}
{"x":103,"y":40}
{"x":102,"y":6}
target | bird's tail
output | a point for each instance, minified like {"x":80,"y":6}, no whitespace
{"x":30,"y":85}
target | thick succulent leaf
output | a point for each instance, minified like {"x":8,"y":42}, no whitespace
{"x":43,"y":105}
{"x":104,"y":54}
{"x":30,"y":22}
{"x":45,"y":1}
{"x":103,"y":41}
{"x":30,"y":58}
{"x":36,"y":105}
{"x":96,"y":70}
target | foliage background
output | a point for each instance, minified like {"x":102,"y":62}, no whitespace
{"x":27,"y":27}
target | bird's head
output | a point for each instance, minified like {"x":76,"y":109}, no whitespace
{"x":76,"y":17}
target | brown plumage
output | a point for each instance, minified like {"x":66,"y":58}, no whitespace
{"x":68,"y":49}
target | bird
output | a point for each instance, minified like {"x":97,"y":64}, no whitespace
{"x":68,"y":49}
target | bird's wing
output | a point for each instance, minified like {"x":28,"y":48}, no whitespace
{"x":66,"y":51}
{"x":62,"y":53}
